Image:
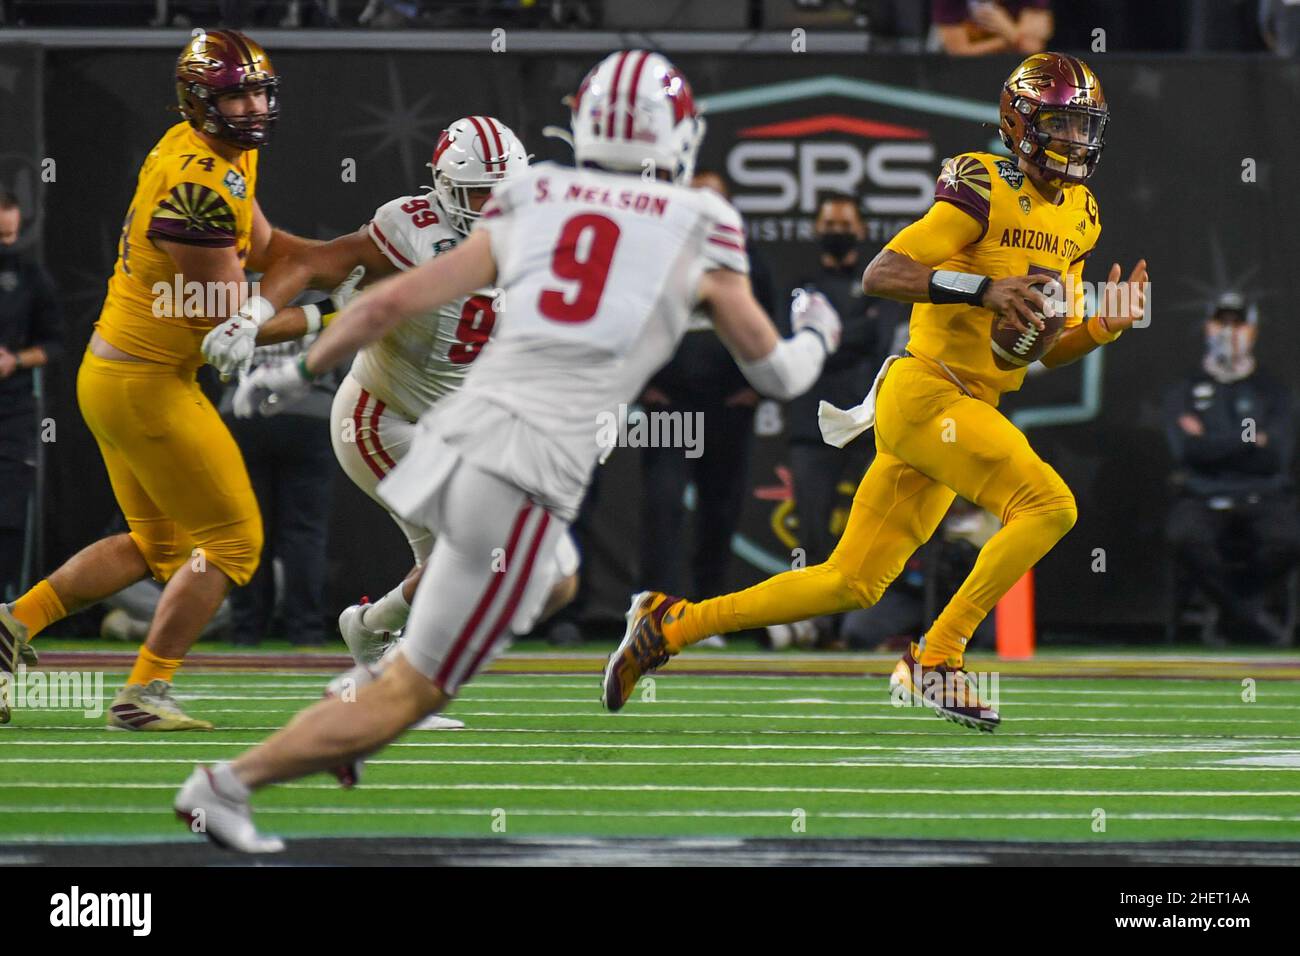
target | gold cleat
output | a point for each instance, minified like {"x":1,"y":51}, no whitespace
{"x":945,"y":688}
{"x":641,"y":651}
{"x":14,"y":650}
{"x":150,"y":707}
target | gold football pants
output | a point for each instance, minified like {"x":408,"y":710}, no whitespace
{"x":177,"y":474}
{"x":932,"y":441}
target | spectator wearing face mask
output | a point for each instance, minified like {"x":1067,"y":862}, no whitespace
{"x":817,"y":468}
{"x":1231,"y":431}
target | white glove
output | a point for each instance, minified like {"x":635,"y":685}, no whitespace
{"x":269,"y":388}
{"x":347,"y":289}
{"x":229,"y":346}
{"x":812,"y":310}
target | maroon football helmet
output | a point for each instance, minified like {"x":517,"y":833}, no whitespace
{"x":1053,"y":114}
{"x":225,"y":61}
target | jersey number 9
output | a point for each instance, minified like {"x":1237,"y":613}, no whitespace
{"x":583,"y":255}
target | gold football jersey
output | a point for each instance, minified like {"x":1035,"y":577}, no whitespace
{"x":185,"y":193}
{"x":1021,"y":234}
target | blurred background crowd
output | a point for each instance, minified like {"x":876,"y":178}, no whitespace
{"x":958,"y":27}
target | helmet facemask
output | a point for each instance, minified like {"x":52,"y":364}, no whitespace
{"x":1069,"y":141}
{"x":249,"y":131}
{"x":456,"y":198}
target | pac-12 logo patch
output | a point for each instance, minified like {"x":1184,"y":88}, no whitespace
{"x":1010,"y":174}
{"x":235,"y":183}
{"x":1024,"y":205}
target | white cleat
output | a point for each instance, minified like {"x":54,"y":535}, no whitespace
{"x":438,"y":722}
{"x":365,"y":646}
{"x":225,"y":820}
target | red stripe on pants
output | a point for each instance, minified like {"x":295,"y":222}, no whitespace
{"x":377,"y":440}
{"x":358,"y":425}
{"x":504,"y":618}
{"x":467,"y":633}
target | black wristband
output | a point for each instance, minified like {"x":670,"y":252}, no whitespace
{"x":958,"y":288}
{"x":328,"y":307}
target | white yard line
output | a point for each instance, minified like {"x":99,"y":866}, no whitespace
{"x":1089,"y":749}
{"x":684,"y":788}
{"x":647,"y":711}
{"x":856,"y":764}
{"x":93,"y":726}
{"x":880,"y":701}
{"x":780,"y":813}
{"x":865,"y":683}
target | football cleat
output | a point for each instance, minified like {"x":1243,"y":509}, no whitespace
{"x":225,"y":820}
{"x":365,"y":646}
{"x":150,"y":707}
{"x":348,"y":774}
{"x":438,"y":722}
{"x":14,"y":649}
{"x":945,"y":688}
{"x":642,"y":650}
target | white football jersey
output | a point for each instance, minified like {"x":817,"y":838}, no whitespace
{"x":424,"y":359}
{"x":598,"y":274}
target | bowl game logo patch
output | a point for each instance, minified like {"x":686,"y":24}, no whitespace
{"x":1010,"y":173}
{"x":235,"y":183}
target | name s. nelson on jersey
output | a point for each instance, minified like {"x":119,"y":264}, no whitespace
{"x":1037,"y":239}
{"x":623,"y":199}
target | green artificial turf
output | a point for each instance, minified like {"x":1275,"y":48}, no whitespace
{"x":724,"y":756}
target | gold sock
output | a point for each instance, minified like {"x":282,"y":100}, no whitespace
{"x":947,"y":636}
{"x":679,"y":634}
{"x":150,"y":667}
{"x":38,"y":608}
{"x":791,"y":596}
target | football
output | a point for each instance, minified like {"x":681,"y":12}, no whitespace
{"x":1014,"y":349}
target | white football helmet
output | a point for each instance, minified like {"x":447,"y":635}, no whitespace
{"x":635,"y":111}
{"x":475,"y":152}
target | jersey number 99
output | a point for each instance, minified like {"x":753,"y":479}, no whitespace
{"x":474,"y":329}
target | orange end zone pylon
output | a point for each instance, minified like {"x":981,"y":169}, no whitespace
{"x":1015,"y":620}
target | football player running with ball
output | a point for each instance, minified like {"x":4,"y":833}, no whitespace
{"x":997,"y":231}
{"x":600,"y":269}
{"x":176,"y":472}
{"x":395,"y":380}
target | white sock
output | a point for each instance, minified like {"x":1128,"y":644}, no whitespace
{"x":389,"y":613}
{"x":227,"y":784}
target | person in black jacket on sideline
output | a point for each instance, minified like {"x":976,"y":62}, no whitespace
{"x":1231,"y":431}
